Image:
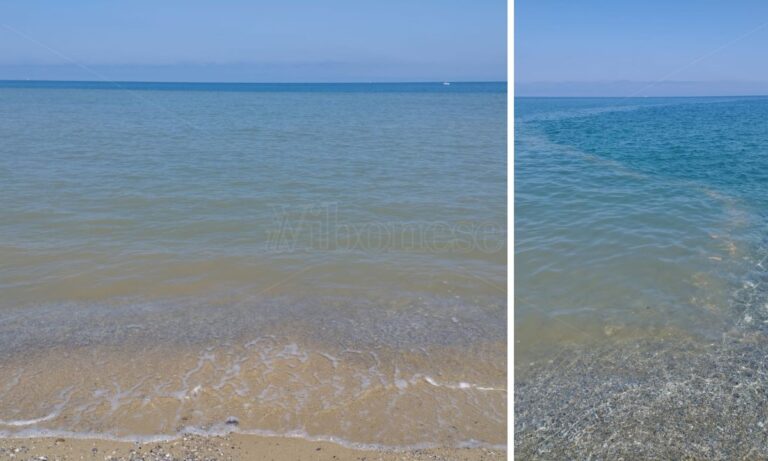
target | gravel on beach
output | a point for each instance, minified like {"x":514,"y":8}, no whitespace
{"x":231,"y":447}
{"x":652,"y":399}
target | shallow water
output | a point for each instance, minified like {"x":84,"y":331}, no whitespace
{"x":641,"y":309}
{"x":318,"y":260}
{"x":638,"y":218}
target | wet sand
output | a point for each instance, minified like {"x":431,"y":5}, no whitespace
{"x":391,"y":399}
{"x":225,"y":447}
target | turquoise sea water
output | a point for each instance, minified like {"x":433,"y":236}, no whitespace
{"x":638,"y":217}
{"x":240,"y":239}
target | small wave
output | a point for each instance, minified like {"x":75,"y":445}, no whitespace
{"x":225,"y":429}
{"x":28,"y":422}
{"x":64,"y":395}
{"x":463,"y":385}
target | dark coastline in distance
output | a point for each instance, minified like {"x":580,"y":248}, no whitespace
{"x":397,"y":87}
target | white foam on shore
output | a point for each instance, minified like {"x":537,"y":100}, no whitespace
{"x":29,"y":422}
{"x":276,"y":377}
{"x":463,"y":385}
{"x":64,"y":395}
{"x":224,"y":429}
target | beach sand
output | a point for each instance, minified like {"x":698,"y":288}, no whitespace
{"x":224,"y":447}
{"x":132,"y":391}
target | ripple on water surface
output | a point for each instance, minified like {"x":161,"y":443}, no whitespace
{"x":326,"y":261}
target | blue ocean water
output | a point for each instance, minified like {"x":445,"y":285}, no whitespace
{"x":639,"y":216}
{"x":398,"y":181}
{"x":178,"y":253}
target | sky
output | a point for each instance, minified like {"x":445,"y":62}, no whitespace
{"x":649,"y":47}
{"x":254,"y":41}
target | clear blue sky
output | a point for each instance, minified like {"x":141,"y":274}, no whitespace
{"x":702,"y":44}
{"x":256,"y":40}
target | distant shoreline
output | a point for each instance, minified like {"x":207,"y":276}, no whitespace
{"x":438,"y":87}
{"x":174,"y":82}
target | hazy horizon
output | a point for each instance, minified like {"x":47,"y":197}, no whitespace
{"x":235,"y":82}
{"x":339,"y":40}
{"x":653,"y":48}
{"x":629,"y":89}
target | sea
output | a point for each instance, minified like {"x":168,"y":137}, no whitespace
{"x":325,"y":261}
{"x":637,"y":218}
{"x":641,"y":278}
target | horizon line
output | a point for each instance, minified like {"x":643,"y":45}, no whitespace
{"x":255,"y":82}
{"x":643,"y":97}
{"x":643,"y":88}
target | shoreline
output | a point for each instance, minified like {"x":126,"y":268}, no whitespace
{"x":232,"y":446}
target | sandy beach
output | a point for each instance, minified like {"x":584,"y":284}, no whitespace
{"x":214,"y":448}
